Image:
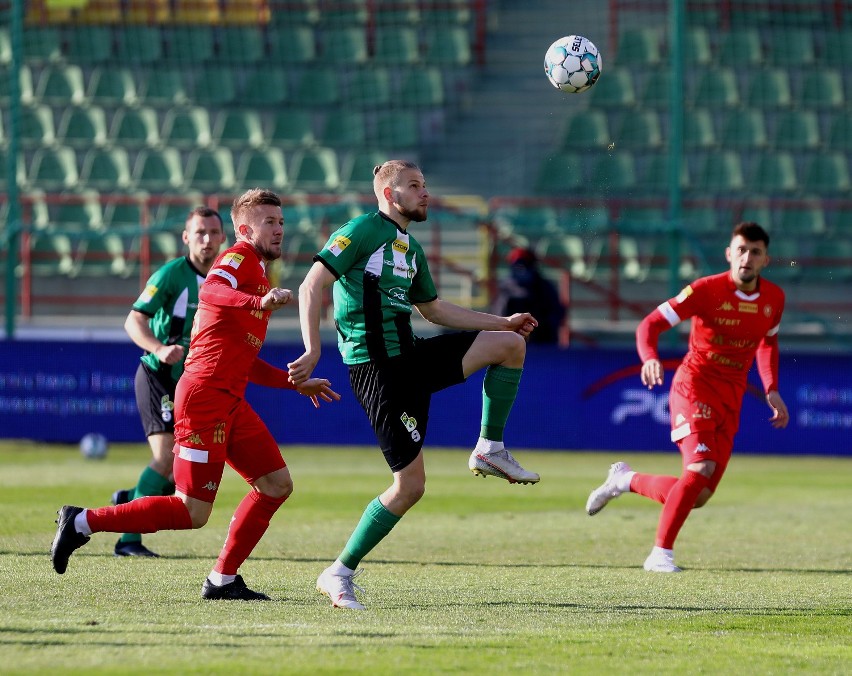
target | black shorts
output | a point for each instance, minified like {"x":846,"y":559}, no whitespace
{"x":395,"y":393}
{"x":155,"y":399}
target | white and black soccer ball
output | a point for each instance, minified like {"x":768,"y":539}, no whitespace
{"x":94,"y":446}
{"x":573,"y":64}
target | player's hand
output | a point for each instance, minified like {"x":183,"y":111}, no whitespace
{"x":780,"y":415}
{"x":275,"y":299}
{"x":316,"y":389}
{"x":301,"y":369}
{"x":522,"y":323}
{"x":652,"y":373}
{"x":169,"y":354}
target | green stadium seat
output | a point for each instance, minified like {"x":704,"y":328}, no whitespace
{"x":822,"y":89}
{"x":210,"y":170}
{"x":769,"y":89}
{"x":740,"y":47}
{"x":135,"y":127}
{"x":369,"y":88}
{"x":138,"y":45}
{"x":344,"y":13}
{"x":315,"y":170}
{"x":163,"y":87}
{"x":25,"y":85}
{"x":36,"y":126}
{"x":422,"y":87}
{"x":51,"y":254}
{"x":831,"y":262}
{"x":614,"y":172}
{"x":5,"y":47}
{"x":804,"y":220}
{"x":292,"y":45}
{"x":238,"y":128}
{"x":346,"y":129}
{"x":296,"y":12}
{"x":109,"y":86}
{"x":397,"y":130}
{"x":41,"y":45}
{"x":757,"y":211}
{"x":698,"y":130}
{"x":827,"y":173}
{"x":89,"y":44}
{"x":81,"y":211}
{"x":614,"y":90}
{"x":638,"y":47}
{"x":214,"y":87}
{"x":703,"y":221}
{"x":396,"y":12}
{"x":349,"y":44}
{"x":657,"y":90}
{"x":744,"y":129}
{"x":586,"y":129}
{"x":639,"y":130}
{"x":774,"y":173}
{"x":559,"y":174}
{"x":357,"y":170}
{"x":158,"y":170}
{"x":264,"y":87}
{"x":186,"y":127}
{"x":99,"y":254}
{"x":715,"y":88}
{"x":105,"y":169}
{"x":123,"y":212}
{"x":840,"y":134}
{"x":291,"y":128}
{"x":837,"y":49}
{"x":445,"y":12}
{"x":61,"y":85}
{"x":696,"y":46}
{"x":655,"y":178}
{"x":791,"y":47}
{"x":83,"y":127}
{"x":262,"y":167}
{"x":448,"y":46}
{"x":189,"y":44}
{"x":243,"y":45}
{"x":396,"y":46}
{"x":318,"y":87}
{"x":720,"y":172}
{"x":796,"y":130}
{"x":53,"y":169}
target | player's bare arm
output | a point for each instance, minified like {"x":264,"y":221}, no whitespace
{"x":780,"y":415}
{"x":140,"y":332}
{"x":652,"y":373}
{"x":310,"y":308}
{"x":316,"y":389}
{"x":275,"y":299}
{"x":454,"y":316}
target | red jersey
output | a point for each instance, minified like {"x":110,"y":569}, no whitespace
{"x":729,"y":327}
{"x":230,"y":326}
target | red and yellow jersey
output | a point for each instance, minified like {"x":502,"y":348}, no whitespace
{"x":230,"y":326}
{"x":729,"y":327}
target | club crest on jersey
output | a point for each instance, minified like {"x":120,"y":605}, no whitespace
{"x":684,"y":294}
{"x":148,"y":294}
{"x":232,"y":259}
{"x":767,"y":310}
{"x":339,"y":244}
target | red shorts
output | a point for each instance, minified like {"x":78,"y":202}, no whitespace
{"x":703,"y":427}
{"x":213,"y":427}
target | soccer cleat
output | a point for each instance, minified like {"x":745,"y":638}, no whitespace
{"x":661,"y":561}
{"x":121,"y":496}
{"x":233,"y":591}
{"x":134,"y":549}
{"x":67,"y":539}
{"x":340,"y":589}
{"x":608,"y":490}
{"x":502,"y":465}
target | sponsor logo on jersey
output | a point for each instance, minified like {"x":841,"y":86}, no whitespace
{"x":748,"y":308}
{"x":232,"y":259}
{"x":725,"y":307}
{"x":684,"y":294}
{"x":702,"y":448}
{"x":254,"y":341}
{"x":339,"y":244}
{"x":148,"y":294}
{"x":400,"y":246}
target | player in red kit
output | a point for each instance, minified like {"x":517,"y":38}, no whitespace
{"x":214,"y":424}
{"x":735,"y":317}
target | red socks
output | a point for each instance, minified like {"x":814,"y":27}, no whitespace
{"x":248,"y":525}
{"x":678,"y":504}
{"x":654,"y":486}
{"x":144,"y":515}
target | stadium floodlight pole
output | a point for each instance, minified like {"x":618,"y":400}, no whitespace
{"x":676,"y":29}
{"x":13,"y":222}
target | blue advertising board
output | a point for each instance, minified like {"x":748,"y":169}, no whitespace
{"x":569,"y":400}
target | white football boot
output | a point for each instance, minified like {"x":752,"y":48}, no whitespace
{"x":340,"y":589}
{"x":661,"y":561}
{"x":491,"y":458}
{"x":617,"y":482}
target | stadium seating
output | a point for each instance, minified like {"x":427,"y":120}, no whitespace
{"x":262,"y":167}
{"x":112,"y":86}
{"x":744,"y":130}
{"x":83,"y":127}
{"x":106,"y":169}
{"x":134,"y":128}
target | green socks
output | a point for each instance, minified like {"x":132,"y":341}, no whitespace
{"x":499,"y":390}
{"x":375,"y":524}
{"x":150,"y":483}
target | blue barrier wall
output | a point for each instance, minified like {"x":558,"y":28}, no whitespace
{"x":574,"y":399}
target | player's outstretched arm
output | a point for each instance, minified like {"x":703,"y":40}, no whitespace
{"x":780,"y":415}
{"x":316,"y":389}
{"x":454,"y":316}
{"x":275,"y":299}
{"x":652,"y":373}
{"x":310,"y":309}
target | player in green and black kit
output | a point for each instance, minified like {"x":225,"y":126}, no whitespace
{"x":379,"y":273}
{"x":160,"y":323}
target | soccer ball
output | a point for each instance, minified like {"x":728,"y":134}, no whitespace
{"x":573,"y":64}
{"x":94,"y":446}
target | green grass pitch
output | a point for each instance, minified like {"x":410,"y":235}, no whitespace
{"x":480,"y":577}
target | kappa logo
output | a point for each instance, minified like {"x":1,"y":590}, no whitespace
{"x":211,"y":486}
{"x":725,"y":307}
{"x":195,"y":438}
{"x":702,"y":448}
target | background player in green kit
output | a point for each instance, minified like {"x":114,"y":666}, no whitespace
{"x":160,"y":323}
{"x":379,"y":273}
